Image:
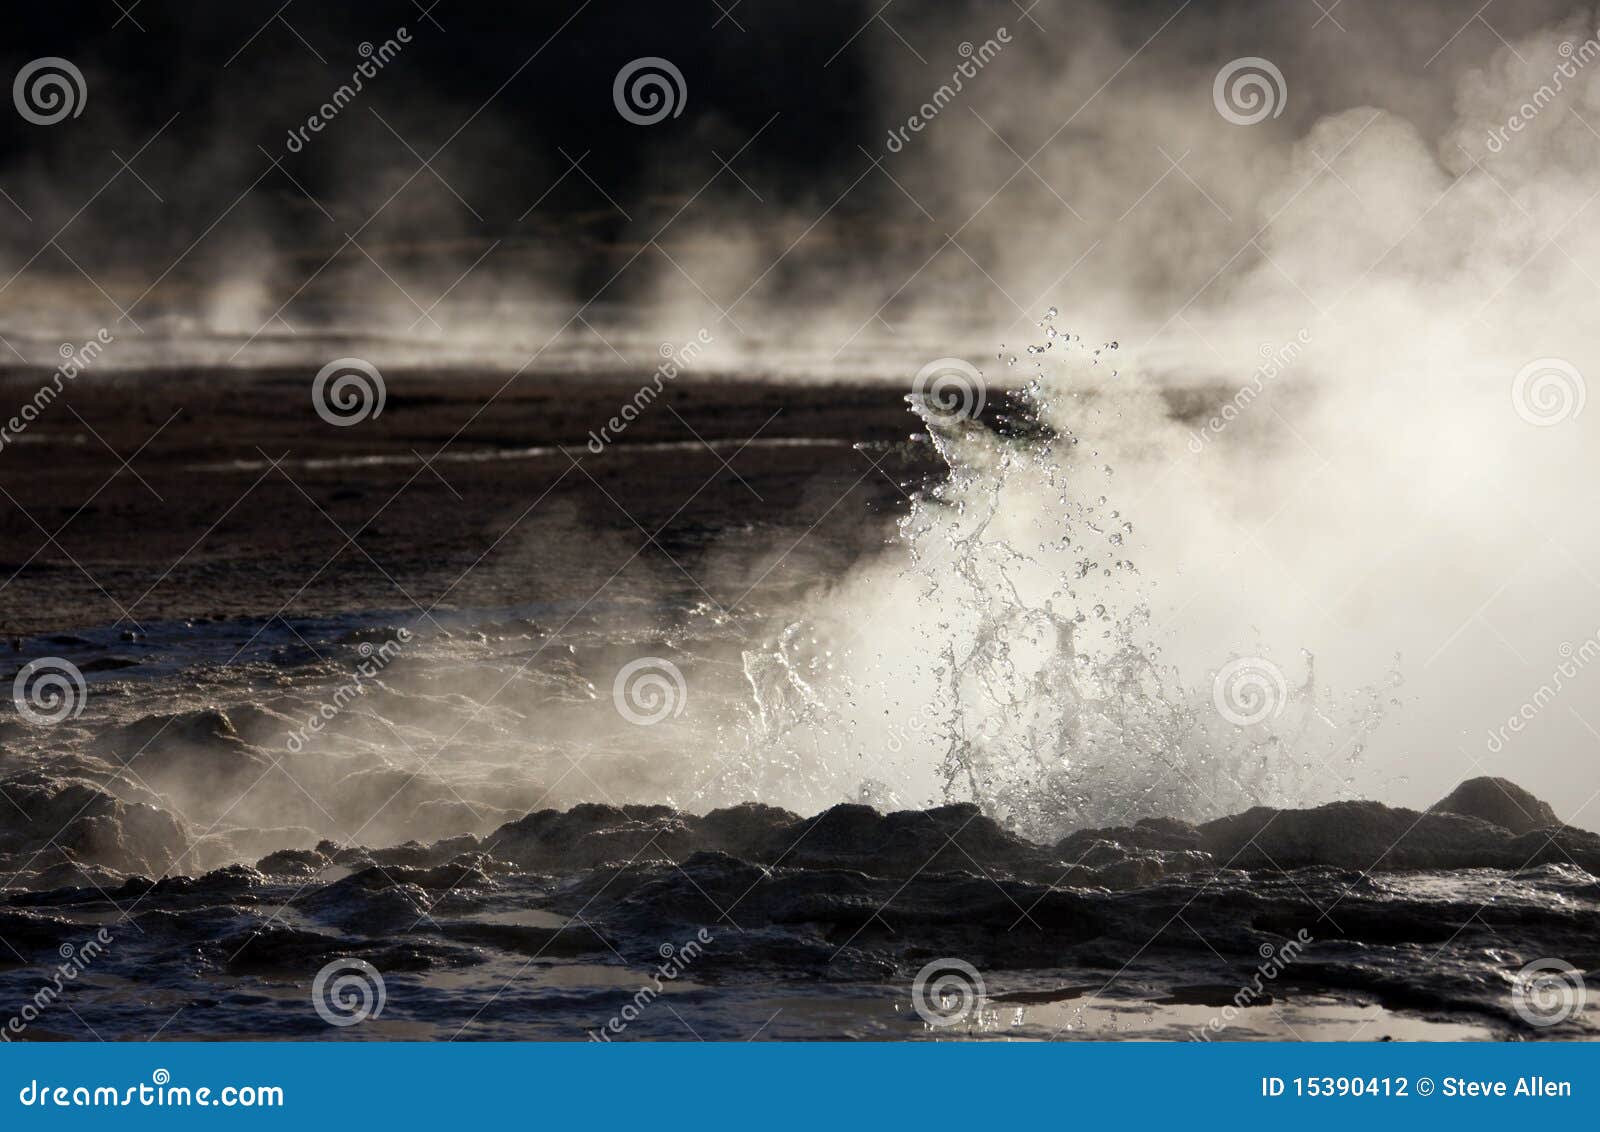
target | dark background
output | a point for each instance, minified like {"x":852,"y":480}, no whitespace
{"x":804,"y":235}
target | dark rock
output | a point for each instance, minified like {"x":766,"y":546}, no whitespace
{"x":108,"y":664}
{"x":414,"y":854}
{"x":1369,"y":835}
{"x":201,"y":728}
{"x":198,"y":759}
{"x":1499,"y":801}
{"x":34,"y":936}
{"x":373,"y":634}
{"x":1147,"y":833}
{"x":79,"y":820}
{"x":955,"y":838}
{"x":293,"y":862}
{"x":740,"y":829}
{"x":1165,"y":833}
{"x":592,"y":834}
{"x":367,"y":901}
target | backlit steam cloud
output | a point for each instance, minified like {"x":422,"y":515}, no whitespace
{"x":1385,"y":489}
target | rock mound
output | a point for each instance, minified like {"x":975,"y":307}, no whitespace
{"x":1501,"y":802}
{"x":1369,"y":836}
{"x":49,"y":819}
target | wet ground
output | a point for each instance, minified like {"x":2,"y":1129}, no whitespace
{"x":346,"y":761}
{"x":465,"y":491}
{"x":781,"y":934}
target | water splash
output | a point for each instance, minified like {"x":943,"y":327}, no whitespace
{"x":1004,"y":652}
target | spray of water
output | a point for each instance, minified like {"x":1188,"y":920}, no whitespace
{"x":1004,"y":651}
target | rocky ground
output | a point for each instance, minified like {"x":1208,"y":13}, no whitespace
{"x":170,"y":866}
{"x":1420,"y":915}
